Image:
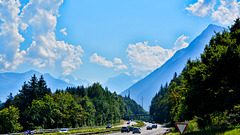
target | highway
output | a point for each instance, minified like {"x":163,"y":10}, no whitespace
{"x":160,"y":130}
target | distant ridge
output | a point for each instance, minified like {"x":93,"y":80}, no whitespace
{"x":150,"y":85}
{"x":12,"y":82}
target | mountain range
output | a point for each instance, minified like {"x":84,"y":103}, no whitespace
{"x":12,"y":82}
{"x":147,"y":87}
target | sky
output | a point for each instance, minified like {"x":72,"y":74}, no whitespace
{"x":95,"y":40}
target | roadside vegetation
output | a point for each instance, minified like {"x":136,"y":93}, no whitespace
{"x":207,"y":91}
{"x":36,"y":107}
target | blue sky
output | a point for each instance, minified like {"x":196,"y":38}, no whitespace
{"x":99,"y":39}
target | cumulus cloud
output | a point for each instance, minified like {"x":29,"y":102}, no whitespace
{"x":45,"y":50}
{"x":227,"y":11}
{"x":95,"y":58}
{"x":180,"y":43}
{"x":64,"y":31}
{"x":10,"y":39}
{"x":120,"y":67}
{"x":144,"y":57}
{"x":202,"y":7}
{"x":100,"y":60}
{"x":117,"y":61}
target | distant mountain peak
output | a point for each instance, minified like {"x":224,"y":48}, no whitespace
{"x":150,"y":85}
{"x":12,"y":82}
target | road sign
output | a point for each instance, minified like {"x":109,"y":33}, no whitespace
{"x":181,"y":127}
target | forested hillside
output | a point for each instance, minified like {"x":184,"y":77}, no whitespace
{"x":36,"y":107}
{"x":208,"y":89}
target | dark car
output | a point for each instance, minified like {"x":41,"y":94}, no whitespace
{"x":136,"y":130}
{"x":109,"y":126}
{"x":124,"y":129}
{"x":154,"y":126}
{"x":29,"y":132}
{"x":131,"y":128}
{"x":128,"y":122}
{"x":149,"y":128}
{"x":153,"y":122}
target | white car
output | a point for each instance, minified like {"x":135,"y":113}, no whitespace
{"x":64,"y":130}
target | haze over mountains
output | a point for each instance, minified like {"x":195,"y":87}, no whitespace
{"x":146,"y":87}
{"x":150,"y":85}
{"x":12,"y":82}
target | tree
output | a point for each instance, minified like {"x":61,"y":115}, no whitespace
{"x":9,"y":120}
{"x":43,"y":113}
{"x":89,"y":111}
{"x":8,"y":101}
{"x":212,"y":82}
{"x":72,"y":113}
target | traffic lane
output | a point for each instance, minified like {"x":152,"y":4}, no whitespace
{"x":156,"y":131}
{"x":125,"y":124}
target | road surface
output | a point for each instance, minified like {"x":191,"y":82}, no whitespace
{"x":160,"y":130}
{"x":125,"y":124}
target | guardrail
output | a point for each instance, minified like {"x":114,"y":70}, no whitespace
{"x":41,"y":131}
{"x":99,"y":132}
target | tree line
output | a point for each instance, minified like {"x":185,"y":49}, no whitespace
{"x":208,"y":88}
{"x":36,"y":107}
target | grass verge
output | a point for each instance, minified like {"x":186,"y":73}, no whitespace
{"x":220,"y":131}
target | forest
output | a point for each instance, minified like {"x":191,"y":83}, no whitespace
{"x":36,"y":107}
{"x":208,"y":89}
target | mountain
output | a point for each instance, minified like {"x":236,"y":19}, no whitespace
{"x":150,"y":85}
{"x":121,"y":82}
{"x":75,"y":81}
{"x":12,"y":82}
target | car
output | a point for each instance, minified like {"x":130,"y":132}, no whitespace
{"x":64,"y":130}
{"x":153,"y":122}
{"x":131,"y":128}
{"x":109,"y":126}
{"x":154,"y":126}
{"x":29,"y":132}
{"x":128,"y":122}
{"x":136,"y":130}
{"x":124,"y":129}
{"x":149,"y":128}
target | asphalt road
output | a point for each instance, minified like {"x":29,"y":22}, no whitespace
{"x":125,"y":124}
{"x":160,"y":130}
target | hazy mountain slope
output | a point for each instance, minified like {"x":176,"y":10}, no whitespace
{"x":12,"y":82}
{"x":121,"y":82}
{"x":150,"y":85}
{"x":75,"y":81}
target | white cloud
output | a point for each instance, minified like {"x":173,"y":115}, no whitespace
{"x":227,"y":11}
{"x":95,"y":58}
{"x":10,"y":39}
{"x":100,"y":60}
{"x":64,"y":31}
{"x":117,"y":61}
{"x":202,"y":7}
{"x":180,"y":43}
{"x":144,"y":57}
{"x":45,"y":50}
{"x":120,"y":67}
